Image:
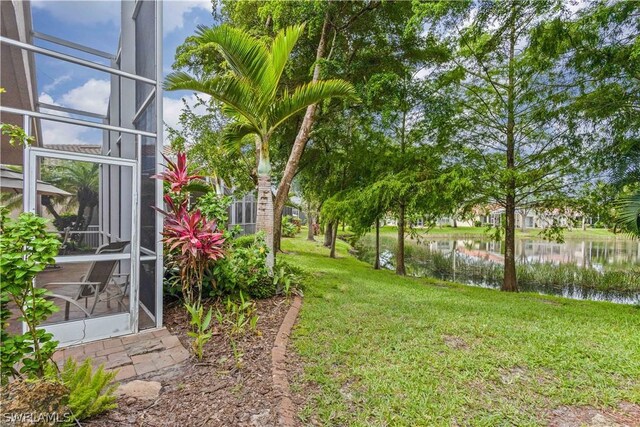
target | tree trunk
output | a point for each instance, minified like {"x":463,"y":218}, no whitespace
{"x":47,"y":203}
{"x":264,"y":220}
{"x":455,"y":222}
{"x":89,"y":218}
{"x":376,"y":263}
{"x":332,"y":253}
{"x":584,"y":223}
{"x":400,"y":270}
{"x":277,"y":229}
{"x":328,"y":234}
{"x":79,"y":216}
{"x":310,"y":224}
{"x":509,"y":283}
{"x":523,"y":217}
{"x":302,"y":137}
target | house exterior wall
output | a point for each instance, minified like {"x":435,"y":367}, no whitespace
{"x":16,"y":73}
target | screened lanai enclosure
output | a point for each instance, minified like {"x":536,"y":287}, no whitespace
{"x":95,"y":115}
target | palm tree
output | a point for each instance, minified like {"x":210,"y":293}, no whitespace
{"x":81,"y":178}
{"x":251,"y":95}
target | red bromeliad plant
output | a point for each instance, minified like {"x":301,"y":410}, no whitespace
{"x":194,"y":241}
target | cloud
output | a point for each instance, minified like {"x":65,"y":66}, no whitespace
{"x":93,"y":96}
{"x":85,"y":12}
{"x":175,"y":11}
{"x":61,"y":133}
{"x":56,"y":82}
{"x":172,"y":108}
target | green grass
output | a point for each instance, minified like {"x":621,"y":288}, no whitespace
{"x":590,"y":233}
{"x":381,"y":350}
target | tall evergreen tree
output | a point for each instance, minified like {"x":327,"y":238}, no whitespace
{"x":512,"y":121}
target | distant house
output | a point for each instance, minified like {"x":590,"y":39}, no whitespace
{"x":535,"y":218}
{"x":494,"y":214}
{"x":244,"y":210}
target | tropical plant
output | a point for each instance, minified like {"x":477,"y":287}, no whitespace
{"x":244,"y":269}
{"x":240,"y":315}
{"x":289,"y":229}
{"x":200,"y":323}
{"x":81,"y":179}
{"x":192,"y":241}
{"x":215,"y":207}
{"x":629,"y":214}
{"x":176,"y":175}
{"x":90,"y":392}
{"x":197,"y":242}
{"x":26,"y":248}
{"x":250,"y":93}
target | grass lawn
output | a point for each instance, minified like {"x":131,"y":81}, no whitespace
{"x":381,"y":350}
{"x":590,"y":233}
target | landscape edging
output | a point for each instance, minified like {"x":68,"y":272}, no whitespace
{"x":286,"y":410}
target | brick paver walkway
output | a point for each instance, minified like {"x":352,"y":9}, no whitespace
{"x":131,"y":355}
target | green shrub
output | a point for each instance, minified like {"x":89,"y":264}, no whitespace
{"x":289,"y":229}
{"x":243,"y":270}
{"x":215,"y":207}
{"x":245,"y":241}
{"x":90,"y":393}
{"x":26,"y":248}
{"x":287,"y":277}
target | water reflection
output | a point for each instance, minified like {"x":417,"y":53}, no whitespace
{"x":602,"y":270}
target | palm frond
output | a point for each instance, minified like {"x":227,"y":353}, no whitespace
{"x":308,"y":94}
{"x":11,"y":201}
{"x":281,"y":48}
{"x":234,"y":92}
{"x":629,"y":214}
{"x":235,"y":135}
{"x":199,"y":186}
{"x":246,"y":56}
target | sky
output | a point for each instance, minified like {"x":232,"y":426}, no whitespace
{"x":97,"y":24}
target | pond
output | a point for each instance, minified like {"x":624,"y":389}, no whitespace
{"x":603,"y":270}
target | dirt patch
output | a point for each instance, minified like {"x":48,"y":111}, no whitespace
{"x":455,"y":342}
{"x":625,"y":415}
{"x":220,"y":390}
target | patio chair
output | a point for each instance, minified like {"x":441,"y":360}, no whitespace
{"x":100,"y":283}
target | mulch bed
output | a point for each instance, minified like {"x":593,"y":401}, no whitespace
{"x":218,"y":390}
